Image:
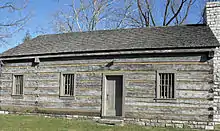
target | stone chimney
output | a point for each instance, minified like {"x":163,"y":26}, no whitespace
{"x":212,"y":17}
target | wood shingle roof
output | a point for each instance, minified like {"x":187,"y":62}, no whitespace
{"x":187,"y":36}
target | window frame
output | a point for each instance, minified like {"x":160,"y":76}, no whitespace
{"x":14,"y":86}
{"x":62,"y":88}
{"x":158,"y":98}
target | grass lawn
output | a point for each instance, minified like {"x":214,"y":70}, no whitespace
{"x":37,"y":123}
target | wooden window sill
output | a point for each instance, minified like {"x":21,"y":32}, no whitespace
{"x":17,"y":96}
{"x":67,"y":97}
{"x":169,"y":100}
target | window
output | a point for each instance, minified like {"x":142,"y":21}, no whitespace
{"x":67,"y":87}
{"x":165,"y":85}
{"x":18,"y":85}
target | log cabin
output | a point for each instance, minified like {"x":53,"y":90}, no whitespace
{"x":158,"y":76}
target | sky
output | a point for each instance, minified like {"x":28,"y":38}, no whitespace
{"x":42,"y":12}
{"x":40,"y":22}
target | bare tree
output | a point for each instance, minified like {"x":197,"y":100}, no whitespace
{"x":12,"y":22}
{"x":27,"y":37}
{"x":144,"y":13}
{"x":174,"y":12}
{"x":83,"y":15}
{"x":108,"y":14}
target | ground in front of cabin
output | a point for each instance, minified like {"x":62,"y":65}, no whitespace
{"x":40,"y":123}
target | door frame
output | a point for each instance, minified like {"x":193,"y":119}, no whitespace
{"x":103,"y":107}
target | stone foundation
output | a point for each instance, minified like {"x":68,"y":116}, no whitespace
{"x":141,"y":122}
{"x":171,"y":123}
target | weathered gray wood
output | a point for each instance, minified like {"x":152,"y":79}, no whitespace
{"x":89,"y":76}
{"x":42,"y":76}
{"x":6,"y":84}
{"x":195,"y":101}
{"x":46,"y":83}
{"x":140,"y":84}
{"x":149,"y":110}
{"x":6,"y":76}
{"x":181,"y":85}
{"x":174,"y":104}
{"x":181,"y":66}
{"x":194,"y":76}
{"x":140,"y":93}
{"x":42,"y":84}
{"x":97,"y":54}
{"x":192,"y":94}
{"x":181,"y":117}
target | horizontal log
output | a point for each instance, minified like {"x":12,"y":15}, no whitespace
{"x":55,"y":111}
{"x":151,"y":75}
{"x":18,"y":64}
{"x":143,"y":66}
{"x":174,"y":104}
{"x":18,"y":102}
{"x":198,"y":101}
{"x":182,"y":85}
{"x":89,"y":92}
{"x":5,"y":76}
{"x":5,"y":84}
{"x":70,"y":105}
{"x":165,"y":116}
{"x":68,"y":111}
{"x":78,"y":99}
{"x":22,"y":108}
{"x":42,"y":76}
{"x":84,"y":107}
{"x":195,"y":76}
{"x":192,"y":58}
{"x":89,"y":76}
{"x":46,"y":102}
{"x":149,"y":110}
{"x":28,"y":83}
{"x":88,"y":83}
{"x":139,"y":84}
{"x":192,"y":94}
{"x":139,"y":94}
{"x":49,"y":97}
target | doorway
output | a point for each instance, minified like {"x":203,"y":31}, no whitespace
{"x":113,"y":95}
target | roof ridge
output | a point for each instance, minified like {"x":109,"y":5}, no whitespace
{"x":123,"y":29}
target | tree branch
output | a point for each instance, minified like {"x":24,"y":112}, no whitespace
{"x":166,"y":12}
{"x":187,"y":11}
{"x":173,"y":12}
{"x":176,"y":14}
{"x":11,"y":6}
{"x":150,"y":12}
{"x":142,"y":13}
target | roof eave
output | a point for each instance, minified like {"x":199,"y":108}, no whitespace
{"x":114,"y":52}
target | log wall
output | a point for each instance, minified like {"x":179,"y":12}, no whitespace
{"x":194,"y":79}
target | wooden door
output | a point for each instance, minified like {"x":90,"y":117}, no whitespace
{"x":114,"y":94}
